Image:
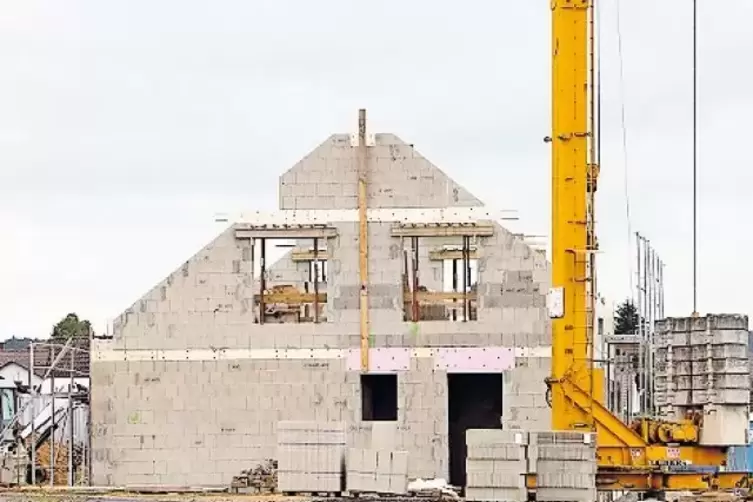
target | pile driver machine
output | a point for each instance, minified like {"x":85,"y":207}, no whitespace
{"x":644,"y":456}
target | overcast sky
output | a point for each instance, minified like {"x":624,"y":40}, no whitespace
{"x":125,"y":125}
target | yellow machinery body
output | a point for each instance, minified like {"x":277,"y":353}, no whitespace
{"x":636,"y":456}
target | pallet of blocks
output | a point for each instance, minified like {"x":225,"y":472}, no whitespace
{"x":496,"y":465}
{"x":310,"y":456}
{"x":565,"y":465}
{"x":377,"y":471}
{"x":381,"y":469}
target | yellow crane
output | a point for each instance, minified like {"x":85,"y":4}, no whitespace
{"x":639,"y":457}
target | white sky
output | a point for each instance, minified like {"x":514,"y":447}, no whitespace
{"x":124,"y":126}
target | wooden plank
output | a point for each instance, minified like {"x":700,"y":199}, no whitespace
{"x":294,"y":297}
{"x":441,"y":296}
{"x":450,"y":254}
{"x":308,"y":255}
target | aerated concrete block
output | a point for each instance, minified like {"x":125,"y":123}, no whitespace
{"x":377,"y":471}
{"x":565,"y":465}
{"x":310,"y":456}
{"x":495,"y":464}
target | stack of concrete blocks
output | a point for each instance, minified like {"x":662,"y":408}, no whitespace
{"x":377,"y":471}
{"x":702,"y":365}
{"x":380,"y":469}
{"x":310,"y":456}
{"x":565,"y":465}
{"x":496,"y":465}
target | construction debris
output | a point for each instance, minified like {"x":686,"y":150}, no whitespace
{"x":436,"y":489}
{"x":262,"y":479}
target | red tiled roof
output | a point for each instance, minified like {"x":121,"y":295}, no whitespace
{"x":19,"y":357}
{"x":43,"y":358}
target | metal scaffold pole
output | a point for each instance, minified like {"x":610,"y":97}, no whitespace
{"x":32,"y":398}
{"x":70,"y":419}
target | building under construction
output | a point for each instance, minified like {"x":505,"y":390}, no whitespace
{"x":396,"y":268}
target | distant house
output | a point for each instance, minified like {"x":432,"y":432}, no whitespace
{"x":14,"y":371}
{"x":14,"y":343}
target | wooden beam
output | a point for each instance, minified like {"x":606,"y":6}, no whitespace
{"x":363,"y":246}
{"x":450,"y":254}
{"x":308,"y":255}
{"x":438,"y":296}
{"x":292,"y":297}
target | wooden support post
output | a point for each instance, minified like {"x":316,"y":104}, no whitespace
{"x":468,"y":273}
{"x":315,"y":264}
{"x":262,"y":278}
{"x":454,"y":287}
{"x":414,"y":298}
{"x":363,"y":253}
{"x":465,"y":278}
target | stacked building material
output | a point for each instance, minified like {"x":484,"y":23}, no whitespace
{"x":262,"y":479}
{"x":380,"y":469}
{"x":377,"y":471}
{"x":702,"y":366}
{"x":310,"y":456}
{"x":496,"y":465}
{"x":565,"y":465}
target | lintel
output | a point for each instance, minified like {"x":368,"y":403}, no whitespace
{"x":284,"y":232}
{"x":480,"y":229}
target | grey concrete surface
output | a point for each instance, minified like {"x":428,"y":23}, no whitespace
{"x":172,"y":405}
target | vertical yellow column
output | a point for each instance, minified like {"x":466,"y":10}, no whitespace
{"x":363,"y":240}
{"x":569,"y":201}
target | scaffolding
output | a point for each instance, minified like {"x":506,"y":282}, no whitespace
{"x":650,"y":305}
{"x":50,"y":432}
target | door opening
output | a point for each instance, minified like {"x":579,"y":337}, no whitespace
{"x":474,"y":402}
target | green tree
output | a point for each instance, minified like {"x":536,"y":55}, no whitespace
{"x":71,"y":326}
{"x":626,"y":319}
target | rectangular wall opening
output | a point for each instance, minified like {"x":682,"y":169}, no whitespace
{"x":474,"y":401}
{"x":379,"y":398}
{"x":290,"y":295}
{"x":440,"y":280}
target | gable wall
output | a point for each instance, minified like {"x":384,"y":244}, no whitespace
{"x":205,"y":410}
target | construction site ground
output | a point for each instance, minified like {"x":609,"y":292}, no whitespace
{"x":105,"y":495}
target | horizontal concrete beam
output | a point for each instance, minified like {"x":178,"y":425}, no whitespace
{"x":408,"y":215}
{"x":442,"y":230}
{"x":285,"y":232}
{"x":107,"y":355}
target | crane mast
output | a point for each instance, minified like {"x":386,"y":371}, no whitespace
{"x":634,"y":456}
{"x":570,"y":253}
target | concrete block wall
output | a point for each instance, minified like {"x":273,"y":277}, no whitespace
{"x":177,"y":384}
{"x":398,"y":177}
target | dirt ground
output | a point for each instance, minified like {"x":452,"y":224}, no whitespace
{"x":63,"y":496}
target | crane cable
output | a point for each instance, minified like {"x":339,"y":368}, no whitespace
{"x":695,"y":157}
{"x":623,"y":125}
